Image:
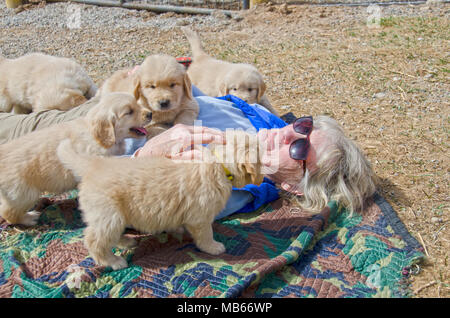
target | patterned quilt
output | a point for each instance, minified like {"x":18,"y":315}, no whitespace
{"x":277,"y":251}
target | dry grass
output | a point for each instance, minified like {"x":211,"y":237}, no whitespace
{"x":388,"y":86}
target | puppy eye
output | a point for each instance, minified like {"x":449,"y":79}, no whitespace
{"x":250,"y":89}
{"x":234,"y":89}
{"x":130,"y":112}
{"x":151,"y":86}
{"x":173,"y":85}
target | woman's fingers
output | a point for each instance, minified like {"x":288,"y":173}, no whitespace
{"x":207,"y":138}
{"x":179,"y":139}
{"x":197,"y":134}
{"x":194,"y":155}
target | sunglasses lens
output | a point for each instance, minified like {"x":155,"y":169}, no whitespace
{"x":299,"y":149}
{"x":303,"y":125}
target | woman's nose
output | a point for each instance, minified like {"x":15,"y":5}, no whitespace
{"x":289,"y":135}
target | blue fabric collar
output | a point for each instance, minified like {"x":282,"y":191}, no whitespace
{"x":259,"y":118}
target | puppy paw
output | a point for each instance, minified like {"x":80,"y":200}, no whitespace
{"x":213,"y":248}
{"x":126,"y":242}
{"x":30,"y":218}
{"x":116,"y":263}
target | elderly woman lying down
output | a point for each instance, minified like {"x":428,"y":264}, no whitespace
{"x":311,"y":158}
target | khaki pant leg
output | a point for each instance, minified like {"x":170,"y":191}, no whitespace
{"x":13,"y":126}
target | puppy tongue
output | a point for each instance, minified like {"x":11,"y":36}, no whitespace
{"x":142,"y":130}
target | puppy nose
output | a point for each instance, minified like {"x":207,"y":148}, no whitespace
{"x":149,"y":116}
{"x":164,"y":103}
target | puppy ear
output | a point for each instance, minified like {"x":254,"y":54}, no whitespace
{"x":261,"y":90}
{"x":102,"y":128}
{"x":187,"y":85}
{"x":254,"y":173}
{"x":223,"y":89}
{"x":137,"y":87}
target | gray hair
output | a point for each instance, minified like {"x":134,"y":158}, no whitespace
{"x":344,"y":174}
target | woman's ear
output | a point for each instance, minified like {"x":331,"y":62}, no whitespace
{"x":187,"y":85}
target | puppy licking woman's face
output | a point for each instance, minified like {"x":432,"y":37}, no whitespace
{"x":117,"y":116}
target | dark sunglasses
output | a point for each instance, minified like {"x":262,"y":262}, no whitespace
{"x":299,"y":148}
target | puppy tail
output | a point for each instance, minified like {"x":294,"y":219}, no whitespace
{"x":75,"y":162}
{"x":194,"y":41}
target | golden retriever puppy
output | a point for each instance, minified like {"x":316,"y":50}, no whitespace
{"x":162,"y":84}
{"x":29,"y":165}
{"x":36,"y":82}
{"x":154,"y":194}
{"x":218,"y":78}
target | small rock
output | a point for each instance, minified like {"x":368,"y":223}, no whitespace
{"x":284,"y":9}
{"x":435,"y":219}
{"x":238,"y":17}
{"x":182,"y":22}
{"x":379,"y":95}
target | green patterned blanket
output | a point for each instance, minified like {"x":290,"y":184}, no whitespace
{"x":277,"y":251}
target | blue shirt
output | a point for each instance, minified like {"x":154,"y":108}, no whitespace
{"x":231,"y":112}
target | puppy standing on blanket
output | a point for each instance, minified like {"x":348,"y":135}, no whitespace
{"x":154,"y":194}
{"x":36,"y":82}
{"x":161,"y":84}
{"x":219,"y":78}
{"x":29,"y":165}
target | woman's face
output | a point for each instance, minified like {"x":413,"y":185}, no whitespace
{"x":278,"y":164}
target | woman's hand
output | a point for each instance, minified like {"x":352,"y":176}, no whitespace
{"x":179,"y":142}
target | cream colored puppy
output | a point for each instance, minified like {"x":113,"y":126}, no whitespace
{"x":154,"y":194}
{"x":29,"y":165}
{"x":36,"y":82}
{"x":218,"y":78}
{"x":161,"y":84}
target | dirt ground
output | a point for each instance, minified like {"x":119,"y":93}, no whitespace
{"x":388,"y":85}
